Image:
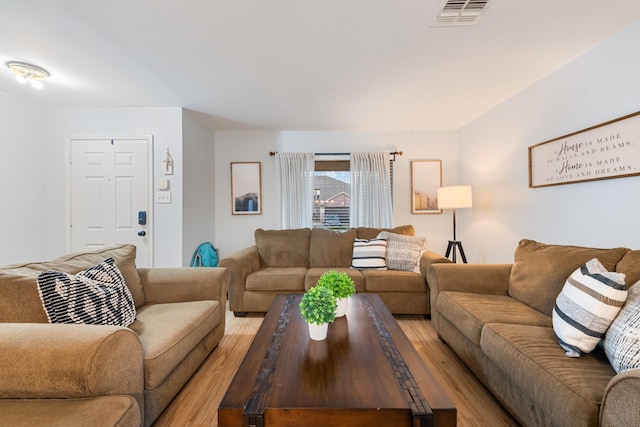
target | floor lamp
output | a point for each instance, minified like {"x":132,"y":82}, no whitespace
{"x":454,"y":197}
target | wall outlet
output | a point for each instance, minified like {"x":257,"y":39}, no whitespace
{"x":163,"y":197}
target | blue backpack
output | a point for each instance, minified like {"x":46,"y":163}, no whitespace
{"x":205,"y":255}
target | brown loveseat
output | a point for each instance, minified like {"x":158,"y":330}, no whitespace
{"x":497,"y":319}
{"x":69,"y":374}
{"x":284,"y":261}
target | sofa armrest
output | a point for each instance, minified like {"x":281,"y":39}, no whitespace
{"x":240,"y":265}
{"x":475,"y":278}
{"x":181,"y":284}
{"x":620,"y":401}
{"x":430,"y":257}
{"x":41,"y":360}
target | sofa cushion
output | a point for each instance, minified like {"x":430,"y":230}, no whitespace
{"x":540,"y":270}
{"x":567,"y":390}
{"x":96,"y":296}
{"x":470,"y":312}
{"x":394,"y":281}
{"x":283,"y":248}
{"x":285,"y":279}
{"x":124,"y":255}
{"x":369,"y":254}
{"x":404,"y":252}
{"x":329,"y":248}
{"x":19,"y":298}
{"x":370,"y":233}
{"x":622,"y":341}
{"x":630,"y":266}
{"x":313,"y":275}
{"x":170,"y":331}
{"x":589,"y":301}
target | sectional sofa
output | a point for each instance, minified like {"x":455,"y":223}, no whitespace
{"x":105,"y":375}
{"x":498,"y":319}
{"x":284,"y":261}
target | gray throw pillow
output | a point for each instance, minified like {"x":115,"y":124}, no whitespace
{"x":404,"y":252}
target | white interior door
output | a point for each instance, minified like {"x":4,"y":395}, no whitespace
{"x":108,"y":183}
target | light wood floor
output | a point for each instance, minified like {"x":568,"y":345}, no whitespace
{"x":197,"y":403}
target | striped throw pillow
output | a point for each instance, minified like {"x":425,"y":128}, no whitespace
{"x":369,"y":254}
{"x":589,"y":301}
{"x":622,"y":342}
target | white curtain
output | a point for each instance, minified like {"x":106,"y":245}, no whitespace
{"x":371,"y":204}
{"x":294,"y":183}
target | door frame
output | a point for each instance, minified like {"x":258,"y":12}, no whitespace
{"x":150,"y":186}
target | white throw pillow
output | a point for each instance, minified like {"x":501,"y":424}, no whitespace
{"x":622,"y":342}
{"x":404,"y":252}
{"x":369,"y":254}
{"x":589,"y":301}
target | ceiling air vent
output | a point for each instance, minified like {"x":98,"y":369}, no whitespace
{"x":459,"y":12}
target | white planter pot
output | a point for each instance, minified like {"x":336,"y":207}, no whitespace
{"x":341,"y":310}
{"x":318,"y":332}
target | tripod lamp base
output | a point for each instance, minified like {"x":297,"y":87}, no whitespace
{"x":451,"y":250}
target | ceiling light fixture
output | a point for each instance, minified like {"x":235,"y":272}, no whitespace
{"x":28,"y":73}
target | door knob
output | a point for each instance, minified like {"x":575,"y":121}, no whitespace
{"x":142,"y":233}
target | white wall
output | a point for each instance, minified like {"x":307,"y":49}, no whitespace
{"x":199,"y":177}
{"x":490,"y":154}
{"x":234,"y":232}
{"x":601,"y":85}
{"x":22,"y":181}
{"x":164,"y":124}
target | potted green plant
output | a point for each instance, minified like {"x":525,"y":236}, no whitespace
{"x":342,"y":287}
{"x":318,"y":308}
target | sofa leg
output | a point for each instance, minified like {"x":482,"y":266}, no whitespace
{"x":240,"y":313}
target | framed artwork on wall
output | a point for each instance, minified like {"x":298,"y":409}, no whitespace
{"x":605,"y":151}
{"x":246,"y":188}
{"x":426,"y":178}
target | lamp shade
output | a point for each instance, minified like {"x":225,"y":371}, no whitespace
{"x":454,"y":197}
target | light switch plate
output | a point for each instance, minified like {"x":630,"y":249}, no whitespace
{"x":163,"y":184}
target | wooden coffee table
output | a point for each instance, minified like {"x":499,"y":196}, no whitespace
{"x":366,"y":373}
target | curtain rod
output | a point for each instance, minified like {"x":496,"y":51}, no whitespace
{"x":393,"y":153}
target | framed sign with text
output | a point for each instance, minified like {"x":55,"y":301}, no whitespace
{"x":605,"y":151}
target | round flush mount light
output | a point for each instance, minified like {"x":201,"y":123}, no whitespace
{"x":28,"y":73}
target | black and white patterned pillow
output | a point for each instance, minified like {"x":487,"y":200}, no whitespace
{"x":96,"y":296}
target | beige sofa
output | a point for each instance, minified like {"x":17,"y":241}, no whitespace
{"x":284,"y":261}
{"x":69,"y":374}
{"x":497,"y":319}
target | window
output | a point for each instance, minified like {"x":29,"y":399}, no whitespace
{"x":331,"y":194}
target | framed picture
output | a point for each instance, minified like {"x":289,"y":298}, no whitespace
{"x":426,"y":178}
{"x":605,"y":151}
{"x":246,"y":188}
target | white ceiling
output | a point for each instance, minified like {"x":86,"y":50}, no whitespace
{"x":298,"y":64}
